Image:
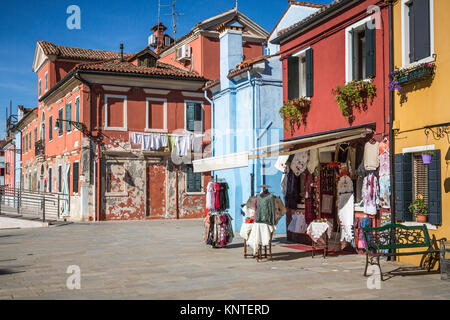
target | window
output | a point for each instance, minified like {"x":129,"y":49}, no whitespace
{"x":35,"y":188}
{"x":43,"y":127}
{"x":46,"y":81}
{"x":68,"y":178}
{"x":193,"y":180}
{"x":50,"y":179}
{"x":417,"y":33}
{"x":29,"y":141}
{"x":194,"y":116}
{"x":68,"y":117}
{"x":50,"y":128}
{"x":420,"y":178}
{"x":77,"y":109}
{"x":115,"y":112}
{"x":59,"y":178}
{"x":361,"y":50}
{"x":35,"y":135}
{"x":26,"y":144}
{"x":23,"y":145}
{"x":156,"y":112}
{"x":413,"y":177}
{"x":75,"y":177}
{"x":60,"y":122}
{"x":300,"y":74}
{"x":40,"y":87}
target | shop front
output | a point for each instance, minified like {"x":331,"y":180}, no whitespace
{"x":337,"y":180}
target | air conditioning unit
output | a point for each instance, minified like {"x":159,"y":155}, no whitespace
{"x":152,"y":40}
{"x":184,"y":52}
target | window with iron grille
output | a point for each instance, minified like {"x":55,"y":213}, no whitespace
{"x":420,"y":178}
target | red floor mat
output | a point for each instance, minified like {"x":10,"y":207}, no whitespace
{"x":303,"y":247}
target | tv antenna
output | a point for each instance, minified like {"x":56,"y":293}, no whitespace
{"x":174,"y":14}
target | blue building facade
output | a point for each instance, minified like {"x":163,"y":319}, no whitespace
{"x":245,"y":116}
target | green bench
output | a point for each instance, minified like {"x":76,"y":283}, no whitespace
{"x":388,"y":239}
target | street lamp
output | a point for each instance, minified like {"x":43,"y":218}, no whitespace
{"x":78,"y":125}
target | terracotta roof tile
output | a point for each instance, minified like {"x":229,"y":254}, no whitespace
{"x":78,"y":53}
{"x":161,"y":69}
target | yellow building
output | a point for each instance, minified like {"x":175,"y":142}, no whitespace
{"x":421,"y":112}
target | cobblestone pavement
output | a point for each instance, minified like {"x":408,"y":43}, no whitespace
{"x":168,"y":260}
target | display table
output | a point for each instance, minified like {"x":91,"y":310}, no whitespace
{"x":260,"y":236}
{"x":246,"y":228}
{"x":319,"y":233}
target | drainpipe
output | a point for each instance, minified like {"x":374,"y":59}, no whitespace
{"x":252,"y":175}
{"x":391,"y":120}
{"x":391,"y":116}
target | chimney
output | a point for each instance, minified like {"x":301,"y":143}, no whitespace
{"x":231,"y":51}
{"x":157,"y":39}
{"x":121,"y":52}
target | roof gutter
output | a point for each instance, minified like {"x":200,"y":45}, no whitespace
{"x":316,"y":19}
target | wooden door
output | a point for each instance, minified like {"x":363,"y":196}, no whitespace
{"x":156,"y":191}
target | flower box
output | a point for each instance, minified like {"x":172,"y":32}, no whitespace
{"x":400,"y":77}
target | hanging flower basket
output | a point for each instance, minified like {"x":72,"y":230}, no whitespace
{"x":427,"y":157}
{"x":294,"y":111}
{"x":355,"y":94}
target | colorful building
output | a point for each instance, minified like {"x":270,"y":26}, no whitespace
{"x":244,"y":99}
{"x":93,"y":105}
{"x":421,"y":116}
{"x":198,"y":50}
{"x":316,"y":79}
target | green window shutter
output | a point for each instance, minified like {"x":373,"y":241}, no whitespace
{"x":68,"y":117}
{"x":193,"y":180}
{"x":403,"y":186}
{"x":68,"y":180}
{"x":353,"y":35}
{"x":77,"y":110}
{"x":309,"y":73}
{"x":190,"y":116}
{"x":49,"y":179}
{"x":60,"y":125}
{"x":293,"y":78}
{"x":420,"y":26}
{"x":434,"y":189}
{"x":198,"y":125}
{"x":75,"y":177}
{"x":50,"y":128}
{"x":198,"y":182}
{"x":59,"y":178}
{"x":35,"y":135}
{"x":370,"y":50}
{"x":190,"y":183}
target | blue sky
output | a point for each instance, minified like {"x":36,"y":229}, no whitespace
{"x":104,"y":25}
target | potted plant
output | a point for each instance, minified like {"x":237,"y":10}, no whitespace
{"x":294,"y":111}
{"x":419,"y":208}
{"x":355,"y":94}
{"x":427,"y":156}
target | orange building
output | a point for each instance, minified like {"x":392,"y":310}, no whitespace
{"x":90,"y":103}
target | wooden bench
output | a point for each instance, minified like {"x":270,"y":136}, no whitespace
{"x":388,"y":239}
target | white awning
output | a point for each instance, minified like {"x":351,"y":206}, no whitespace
{"x":241,"y":159}
{"x":229,"y":161}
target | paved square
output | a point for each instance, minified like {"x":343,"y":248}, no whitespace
{"x":164,"y":259}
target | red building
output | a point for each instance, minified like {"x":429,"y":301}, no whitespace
{"x":199,"y":49}
{"x":91,"y":102}
{"x":344,"y":43}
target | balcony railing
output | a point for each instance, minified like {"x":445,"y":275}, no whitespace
{"x":39,"y":148}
